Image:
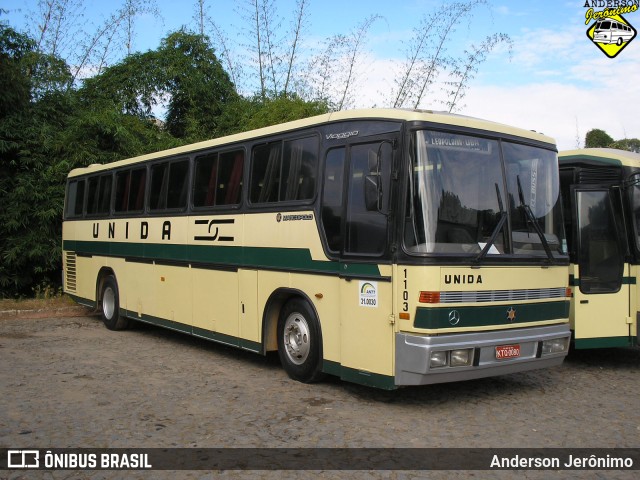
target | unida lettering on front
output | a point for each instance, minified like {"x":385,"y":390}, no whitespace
{"x":462,"y":279}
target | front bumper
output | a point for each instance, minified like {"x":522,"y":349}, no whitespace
{"x":413,"y":353}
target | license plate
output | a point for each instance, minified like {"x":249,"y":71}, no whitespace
{"x":507,"y":351}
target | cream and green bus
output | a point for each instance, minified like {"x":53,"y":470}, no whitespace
{"x":386,"y":247}
{"x":601,"y":196}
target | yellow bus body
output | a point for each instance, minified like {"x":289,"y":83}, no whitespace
{"x":379,"y":319}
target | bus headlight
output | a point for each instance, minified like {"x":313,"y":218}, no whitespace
{"x":556,"y":345}
{"x":438,"y":359}
{"x":451,"y":358}
{"x":461,"y":358}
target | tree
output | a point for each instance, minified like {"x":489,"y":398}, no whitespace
{"x":597,"y":138}
{"x":16,"y":89}
{"x":333,"y":73}
{"x":31,"y":196}
{"x":48,"y":126}
{"x":183,"y":75}
{"x":46,"y":129}
{"x":466,"y":68}
{"x":629,"y":144}
{"x":427,"y":52}
{"x":60,"y":30}
{"x":197,"y":85}
{"x":274,"y":53}
{"x":248,"y":114}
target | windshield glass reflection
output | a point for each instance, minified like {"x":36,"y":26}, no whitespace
{"x":458,"y":204}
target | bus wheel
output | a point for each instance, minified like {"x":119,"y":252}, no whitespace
{"x":299,"y":341}
{"x":110,"y":305}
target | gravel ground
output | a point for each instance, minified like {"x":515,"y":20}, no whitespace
{"x":68,"y":382}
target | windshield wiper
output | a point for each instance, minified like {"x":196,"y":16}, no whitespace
{"x":531,"y":219}
{"x":503,"y":218}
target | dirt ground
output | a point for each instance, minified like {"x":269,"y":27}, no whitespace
{"x":67,"y":381}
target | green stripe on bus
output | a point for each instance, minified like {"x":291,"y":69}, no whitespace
{"x":435,"y":318}
{"x":575,"y":282}
{"x":195,"y":331}
{"x":604,"y":342}
{"x":564,"y":159}
{"x":289,"y":259}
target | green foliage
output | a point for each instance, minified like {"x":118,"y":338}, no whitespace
{"x":48,"y":127}
{"x":630,"y":144}
{"x":197,"y":84}
{"x":31,"y":195}
{"x":184,"y":72}
{"x":597,"y":138}
{"x":14,"y":47}
{"x":258,"y":112}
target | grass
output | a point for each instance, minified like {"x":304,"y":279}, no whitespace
{"x":36,"y":303}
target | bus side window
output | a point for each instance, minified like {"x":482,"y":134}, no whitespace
{"x":177,"y":189}
{"x":218,"y":179}
{"x":169,"y":185}
{"x":75,"y":199}
{"x":99,"y":195}
{"x":300,"y":164}
{"x":137,"y":190}
{"x":92,"y":189}
{"x":265,"y":173}
{"x":284,"y":171}
{"x":129,"y":190}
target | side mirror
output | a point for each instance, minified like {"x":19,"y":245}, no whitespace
{"x":372,"y":193}
{"x":632,"y":181}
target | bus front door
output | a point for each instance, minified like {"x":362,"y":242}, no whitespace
{"x":600,"y":308}
{"x":366,"y":297}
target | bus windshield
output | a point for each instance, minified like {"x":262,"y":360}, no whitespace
{"x":462,"y":204}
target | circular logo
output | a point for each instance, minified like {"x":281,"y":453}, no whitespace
{"x":278,"y":217}
{"x":454,"y":317}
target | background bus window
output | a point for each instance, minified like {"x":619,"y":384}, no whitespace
{"x":218,"y":178}
{"x":599,"y":257}
{"x":332,"y":198}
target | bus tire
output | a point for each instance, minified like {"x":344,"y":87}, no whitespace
{"x":299,"y":341}
{"x":110,"y":305}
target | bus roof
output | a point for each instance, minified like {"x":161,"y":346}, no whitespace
{"x":444,"y":118}
{"x":602,"y":155}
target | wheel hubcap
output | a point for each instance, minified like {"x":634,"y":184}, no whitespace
{"x":108,"y":303}
{"x":296,"y":338}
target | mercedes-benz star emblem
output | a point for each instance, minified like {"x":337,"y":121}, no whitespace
{"x":454,"y":317}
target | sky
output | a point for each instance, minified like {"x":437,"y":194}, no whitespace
{"x":555,"y":80}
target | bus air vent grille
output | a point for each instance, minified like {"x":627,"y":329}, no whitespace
{"x":598,"y":175}
{"x":70,"y":272}
{"x":502,"y":295}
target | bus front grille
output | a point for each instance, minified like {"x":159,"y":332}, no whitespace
{"x":502,"y":295}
